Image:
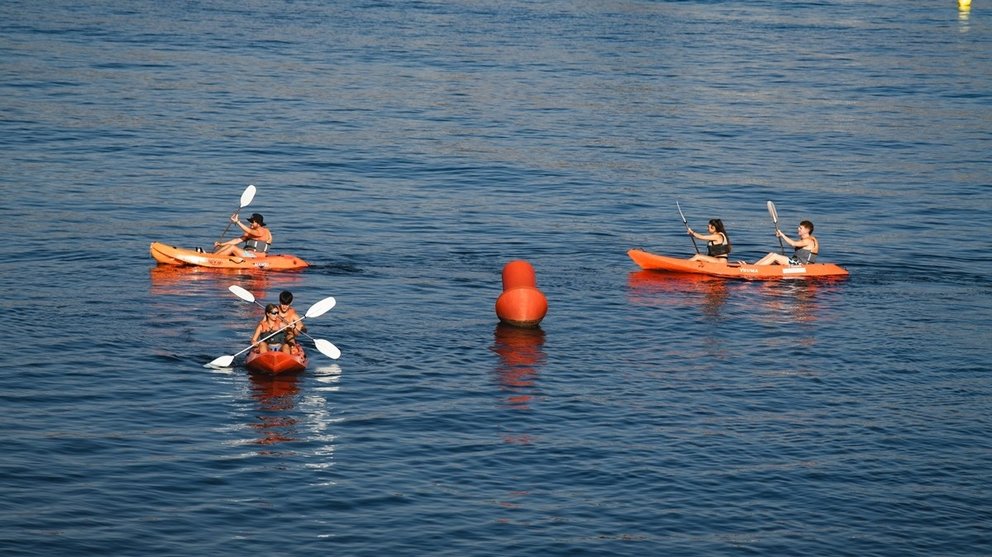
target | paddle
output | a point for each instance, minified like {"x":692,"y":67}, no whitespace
{"x":687,"y":226}
{"x":316,"y":310}
{"x":774,"y":214}
{"x":246,"y":197}
{"x":326,"y":347}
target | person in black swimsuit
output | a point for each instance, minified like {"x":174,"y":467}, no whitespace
{"x":717,"y":243}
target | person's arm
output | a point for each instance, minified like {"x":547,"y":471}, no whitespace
{"x":237,"y":221}
{"x":299,"y":326}
{"x":253,"y":235}
{"x":787,"y":239}
{"x":707,"y":237}
{"x":256,"y":335}
{"x":800,"y":243}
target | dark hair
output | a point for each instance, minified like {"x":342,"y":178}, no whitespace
{"x":285,"y":297}
{"x":718,"y":224}
{"x":269,"y":308}
{"x":808,"y":225}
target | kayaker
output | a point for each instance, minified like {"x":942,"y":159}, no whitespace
{"x":257,"y":239}
{"x":288,"y":312}
{"x":717,"y":243}
{"x":273,"y":321}
{"x":807,"y":247}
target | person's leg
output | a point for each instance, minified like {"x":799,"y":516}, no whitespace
{"x":701,"y":257}
{"x":773,"y":259}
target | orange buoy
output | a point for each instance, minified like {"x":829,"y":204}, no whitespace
{"x":521,"y":304}
{"x":518,"y":274}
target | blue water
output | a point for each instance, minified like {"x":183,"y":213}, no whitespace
{"x":409,"y":150}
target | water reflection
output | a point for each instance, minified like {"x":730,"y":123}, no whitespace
{"x":964,"y":13}
{"x":175,"y":281}
{"x":797,"y":301}
{"x":521,"y":356}
{"x":653,"y":288}
{"x":167,"y":280}
{"x":276,"y":399}
{"x":328,"y":375}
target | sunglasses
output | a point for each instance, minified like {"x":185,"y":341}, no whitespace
{"x":273,"y":313}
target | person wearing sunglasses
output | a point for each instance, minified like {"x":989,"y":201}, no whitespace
{"x":283,"y":336}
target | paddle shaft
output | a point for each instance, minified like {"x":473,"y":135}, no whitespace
{"x":226,"y":228}
{"x":246,"y":197}
{"x":774,"y":215}
{"x":693,"y":238}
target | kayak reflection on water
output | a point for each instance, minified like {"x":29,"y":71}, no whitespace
{"x":276,"y":398}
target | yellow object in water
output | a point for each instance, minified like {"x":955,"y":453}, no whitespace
{"x":964,"y":4}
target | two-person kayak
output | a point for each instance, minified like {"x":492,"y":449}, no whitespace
{"x":739,"y":270}
{"x":172,"y":255}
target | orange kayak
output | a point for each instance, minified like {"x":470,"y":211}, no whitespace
{"x":171,"y":255}
{"x":653,"y":262}
{"x":276,"y":362}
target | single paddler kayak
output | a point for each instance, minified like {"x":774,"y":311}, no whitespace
{"x":171,"y":255}
{"x":652,"y":262}
{"x":275,"y":361}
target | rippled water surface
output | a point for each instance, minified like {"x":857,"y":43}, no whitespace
{"x":409,"y":150}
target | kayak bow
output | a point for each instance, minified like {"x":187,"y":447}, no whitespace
{"x":276,"y":362}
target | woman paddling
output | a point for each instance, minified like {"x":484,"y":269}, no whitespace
{"x":717,"y":243}
{"x":283,"y":335}
{"x":807,"y":247}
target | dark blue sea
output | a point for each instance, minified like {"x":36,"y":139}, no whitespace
{"x":409,"y":150}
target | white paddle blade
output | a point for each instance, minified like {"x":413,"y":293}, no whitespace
{"x":242,"y":293}
{"x":223,"y":361}
{"x":321,"y":307}
{"x":247,"y":196}
{"x":327,"y":349}
{"x":773,"y":212}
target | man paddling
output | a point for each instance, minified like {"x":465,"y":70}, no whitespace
{"x":288,"y":312}
{"x":807,"y":247}
{"x":256,"y":238}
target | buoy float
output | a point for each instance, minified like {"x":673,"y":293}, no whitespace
{"x":964,"y":5}
{"x":521,"y":304}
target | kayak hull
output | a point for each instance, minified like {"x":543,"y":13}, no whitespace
{"x":653,"y":262}
{"x":165,"y":254}
{"x":275,"y":362}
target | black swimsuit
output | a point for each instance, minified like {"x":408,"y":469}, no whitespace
{"x":714,"y":249}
